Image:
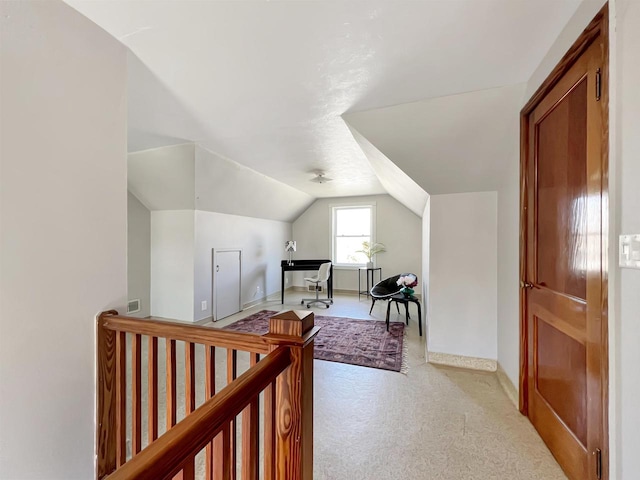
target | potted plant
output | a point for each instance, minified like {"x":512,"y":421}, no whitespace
{"x":370,"y":251}
{"x":407,"y":282}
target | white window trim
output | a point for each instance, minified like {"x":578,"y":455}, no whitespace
{"x":332,"y":218}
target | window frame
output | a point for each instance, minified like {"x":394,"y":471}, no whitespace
{"x":333,"y":217}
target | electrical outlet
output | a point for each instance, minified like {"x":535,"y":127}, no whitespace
{"x":204,"y":305}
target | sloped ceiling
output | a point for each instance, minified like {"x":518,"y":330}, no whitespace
{"x":452,"y":144}
{"x":224,"y":186}
{"x":265,"y":83}
{"x":163,"y":178}
{"x":188,"y":177}
{"x":399,"y":185}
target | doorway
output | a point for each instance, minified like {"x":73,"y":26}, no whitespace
{"x":227,"y":282}
{"x":564,"y":165}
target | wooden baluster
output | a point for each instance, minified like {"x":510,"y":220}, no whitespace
{"x":232,"y":373}
{"x":270,"y":432}
{"x":106,"y":409}
{"x":190,"y":377}
{"x":153,"y":388}
{"x":171,"y":383}
{"x":121,"y":398}
{"x":188,"y":471}
{"x":209,"y":391}
{"x":294,"y":396}
{"x":250,"y":439}
{"x":136,"y":394}
{"x":222,"y":454}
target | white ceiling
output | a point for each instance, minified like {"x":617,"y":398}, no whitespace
{"x":265,"y":83}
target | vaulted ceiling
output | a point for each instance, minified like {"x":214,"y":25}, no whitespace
{"x":267,"y":83}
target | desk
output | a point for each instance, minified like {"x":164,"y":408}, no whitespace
{"x":368,"y":270}
{"x":305,"y":266}
{"x":400,"y":298}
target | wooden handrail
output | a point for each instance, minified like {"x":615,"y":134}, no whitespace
{"x":163,"y":458}
{"x":285,"y":380}
{"x":248,"y":342}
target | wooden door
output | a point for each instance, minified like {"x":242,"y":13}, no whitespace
{"x":226,"y":282}
{"x":564,"y":305}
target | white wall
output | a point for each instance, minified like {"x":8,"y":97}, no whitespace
{"x":396,"y":226}
{"x":172,"y":269}
{"x":625,"y":381}
{"x":426,"y":264}
{"x":63,"y":231}
{"x":139,"y":254}
{"x":262,"y":244}
{"x":509,"y":252}
{"x":509,"y":267}
{"x":463,"y":275}
{"x":181,"y":259}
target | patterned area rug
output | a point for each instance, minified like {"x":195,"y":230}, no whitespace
{"x":346,"y":340}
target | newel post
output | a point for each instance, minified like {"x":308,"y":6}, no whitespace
{"x":294,"y":395}
{"x":105,"y":398}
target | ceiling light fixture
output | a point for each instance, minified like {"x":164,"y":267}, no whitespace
{"x":320,"y":178}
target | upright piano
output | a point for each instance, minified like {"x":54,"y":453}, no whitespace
{"x":305,"y":265}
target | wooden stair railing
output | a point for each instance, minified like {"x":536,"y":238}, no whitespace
{"x":284,"y":378}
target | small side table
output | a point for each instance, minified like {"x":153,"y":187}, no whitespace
{"x":400,"y":298}
{"x":370,"y":282}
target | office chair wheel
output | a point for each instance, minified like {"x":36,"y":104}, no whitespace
{"x":327,"y":306}
{"x":302,"y":302}
{"x":308,"y":306}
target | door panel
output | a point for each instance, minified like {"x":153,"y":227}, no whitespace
{"x":227,"y":283}
{"x":561,"y":379}
{"x":562,"y":266}
{"x":561,"y":139}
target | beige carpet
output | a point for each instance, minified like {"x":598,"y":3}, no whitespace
{"x":435,"y":423}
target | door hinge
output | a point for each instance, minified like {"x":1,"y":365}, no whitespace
{"x":598,"y":84}
{"x":598,"y":455}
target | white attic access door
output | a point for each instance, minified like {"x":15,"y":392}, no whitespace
{"x":227,"y":266}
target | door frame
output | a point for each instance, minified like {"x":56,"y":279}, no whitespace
{"x":214,"y":300}
{"x":598,"y":26}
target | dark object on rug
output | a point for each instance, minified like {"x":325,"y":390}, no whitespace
{"x":345,"y":340}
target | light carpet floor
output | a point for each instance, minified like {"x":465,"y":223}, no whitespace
{"x":435,"y":423}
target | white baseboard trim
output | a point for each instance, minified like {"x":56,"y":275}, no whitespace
{"x":460,"y":361}
{"x":508,"y":386}
{"x":203,"y":321}
{"x":253,"y":303}
{"x":271,"y":297}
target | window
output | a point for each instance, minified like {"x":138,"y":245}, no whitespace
{"x":351,"y":226}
